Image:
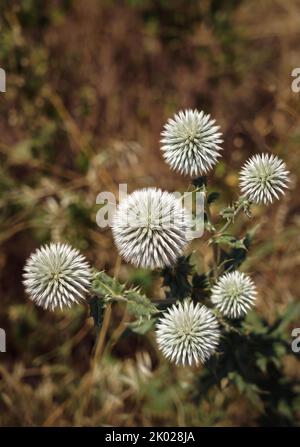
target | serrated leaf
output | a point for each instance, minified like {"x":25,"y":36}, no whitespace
{"x":142,"y":326}
{"x":139,"y":305}
{"x":106,"y":286}
{"x":228,"y":239}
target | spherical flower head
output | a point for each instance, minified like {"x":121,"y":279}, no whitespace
{"x":191,"y":143}
{"x":56,"y":275}
{"x":234,"y":294}
{"x":188,"y":333}
{"x":263,"y":178}
{"x":151,"y":228}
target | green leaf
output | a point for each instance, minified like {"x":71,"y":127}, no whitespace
{"x":284,"y":408}
{"x":279,"y":349}
{"x":141,"y":308}
{"x":142,"y":326}
{"x":106,"y":286}
{"x":139,"y":305}
{"x":228,"y":239}
{"x":252,"y":393}
{"x":262,"y":363}
{"x":255,"y":323}
{"x":291,"y":313}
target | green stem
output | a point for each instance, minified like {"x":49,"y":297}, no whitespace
{"x":229,"y":222}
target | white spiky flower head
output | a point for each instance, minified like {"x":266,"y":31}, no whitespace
{"x":151,"y":228}
{"x":188,"y":333}
{"x":263,"y":178}
{"x":234,"y":294}
{"x":56,"y":275}
{"x":191,"y":143}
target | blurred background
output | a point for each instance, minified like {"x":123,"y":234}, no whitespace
{"x":90,"y":85}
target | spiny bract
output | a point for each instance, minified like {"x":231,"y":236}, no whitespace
{"x":191,"y":142}
{"x":263,"y":178}
{"x":56,"y":275}
{"x":234,"y":294}
{"x":188,"y":333}
{"x":151,"y":228}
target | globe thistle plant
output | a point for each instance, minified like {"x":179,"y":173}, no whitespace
{"x":56,"y":275}
{"x":191,"y":143}
{"x":263,"y":178}
{"x":234,"y":294}
{"x":188,"y":333}
{"x":151,"y":228}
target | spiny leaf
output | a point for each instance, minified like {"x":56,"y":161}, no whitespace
{"x":228,"y":239}
{"x":142,"y":326}
{"x":141,"y":308}
{"x":106,"y":286}
{"x":139,"y":305}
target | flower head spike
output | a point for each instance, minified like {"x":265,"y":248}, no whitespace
{"x":191,"y":143}
{"x":56,"y":275}
{"x":188,"y":333}
{"x":263,"y":178}
{"x":234,"y":294}
{"x":151,"y":228}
